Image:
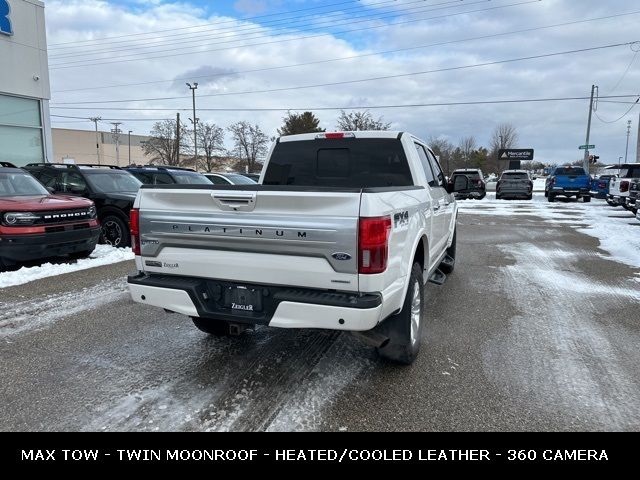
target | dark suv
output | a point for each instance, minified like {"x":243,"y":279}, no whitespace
{"x":152,"y":175}
{"x":112,"y":189}
{"x":474,"y":186}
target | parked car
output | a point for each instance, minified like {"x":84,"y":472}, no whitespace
{"x":600,"y":186}
{"x":619,"y":187}
{"x":515,"y":184}
{"x":153,"y":175}
{"x":632,"y":199}
{"x":476,"y":188}
{"x":491,"y":184}
{"x":111,"y":188}
{"x":34,"y":224}
{"x":568,"y":181}
{"x":253,"y":176}
{"x":229,"y":179}
{"x":343,"y":235}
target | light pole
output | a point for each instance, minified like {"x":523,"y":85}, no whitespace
{"x":130,"y":131}
{"x":96,"y":120}
{"x":626,"y":152}
{"x":193,"y":89}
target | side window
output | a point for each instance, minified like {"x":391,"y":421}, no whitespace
{"x":424,"y":161}
{"x":218,"y":180}
{"x":46,"y":177}
{"x":162,"y":179}
{"x":72,"y":182}
{"x":436,"y":168}
{"x":143,"y":177}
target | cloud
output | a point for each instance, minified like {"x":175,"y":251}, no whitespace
{"x":554,"y":129}
{"x":251,"y":7}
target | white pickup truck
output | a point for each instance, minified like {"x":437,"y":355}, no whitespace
{"x":342,"y":233}
{"x":619,"y":186}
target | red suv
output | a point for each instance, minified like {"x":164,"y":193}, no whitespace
{"x":35,"y":224}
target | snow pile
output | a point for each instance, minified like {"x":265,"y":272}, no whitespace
{"x":102,"y":255}
{"x":617,"y":230}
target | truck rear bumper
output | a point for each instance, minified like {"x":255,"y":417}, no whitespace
{"x":283,"y":307}
{"x":569,"y":191}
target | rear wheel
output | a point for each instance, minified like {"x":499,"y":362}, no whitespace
{"x":219,"y":328}
{"x":586,"y":199}
{"x":546,"y":193}
{"x":404,"y":330}
{"x":551,"y":197}
{"x":115,"y":231}
{"x":530,"y":197}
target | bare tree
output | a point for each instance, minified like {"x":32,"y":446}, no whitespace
{"x":210,"y":145}
{"x":162,"y":146}
{"x":443,"y":150}
{"x":250,"y":143}
{"x":467,"y":146}
{"x":354,"y":121}
{"x":504,"y":136}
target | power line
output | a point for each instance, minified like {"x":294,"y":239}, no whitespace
{"x":243,"y":32}
{"x":201,"y":25}
{"x":361,"y":107}
{"x":351,"y":57}
{"x":346,"y":82}
{"x":83,"y":63}
{"x":621,"y":117}
{"x":106,"y":120}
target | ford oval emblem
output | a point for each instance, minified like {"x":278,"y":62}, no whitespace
{"x":341,"y":256}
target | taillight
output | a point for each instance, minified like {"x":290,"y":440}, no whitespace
{"x":373,"y":244}
{"x":134,"y":226}
{"x":602,"y":185}
{"x":624,"y":187}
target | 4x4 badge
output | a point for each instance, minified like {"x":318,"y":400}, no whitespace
{"x":341,"y":256}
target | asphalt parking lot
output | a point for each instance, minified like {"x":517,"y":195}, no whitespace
{"x":537,"y":329}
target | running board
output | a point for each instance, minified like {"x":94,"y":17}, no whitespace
{"x":438,"y":277}
{"x":448,"y":261}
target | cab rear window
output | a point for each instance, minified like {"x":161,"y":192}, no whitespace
{"x":569,"y":171}
{"x":348,"y":163}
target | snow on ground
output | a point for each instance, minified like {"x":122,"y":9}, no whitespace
{"x":617,"y":229}
{"x":102,"y":255}
{"x":31,"y":315}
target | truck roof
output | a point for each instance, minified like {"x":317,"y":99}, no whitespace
{"x":358,"y":134}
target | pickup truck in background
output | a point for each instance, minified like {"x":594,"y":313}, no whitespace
{"x":619,"y":187}
{"x":342,"y":233}
{"x":568,"y":181}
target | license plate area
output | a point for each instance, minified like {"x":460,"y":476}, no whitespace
{"x":242,"y":299}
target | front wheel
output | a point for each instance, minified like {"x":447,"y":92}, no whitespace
{"x":586,"y":199}
{"x":218,"y":328}
{"x":115,"y":232}
{"x":530,"y":197}
{"x":404,"y":329}
{"x":551,"y":197}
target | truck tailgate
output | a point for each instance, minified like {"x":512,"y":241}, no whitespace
{"x":258,"y":235}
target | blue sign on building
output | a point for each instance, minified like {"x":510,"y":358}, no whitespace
{"x":5,"y":21}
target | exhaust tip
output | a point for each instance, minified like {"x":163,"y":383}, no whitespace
{"x":372,"y":338}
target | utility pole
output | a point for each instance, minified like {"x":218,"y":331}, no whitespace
{"x":177,"y":139}
{"x":626,"y":152}
{"x":193,"y":88}
{"x":638,"y":147}
{"x":116,"y":136}
{"x":130,"y":131}
{"x":585,"y":161}
{"x":96,"y":120}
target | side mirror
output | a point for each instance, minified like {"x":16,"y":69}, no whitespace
{"x":458,"y":184}
{"x":51,"y":190}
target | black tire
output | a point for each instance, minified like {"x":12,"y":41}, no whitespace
{"x":611,"y":204}
{"x":115,"y":231}
{"x":498,"y":197}
{"x":401,"y":329}
{"x":451,"y":251}
{"x":546,"y":193}
{"x":3,"y":265}
{"x":218,"y":328}
{"x":482,"y":196}
{"x":530,"y":197}
{"x":586,"y":199}
{"x":551,"y":197}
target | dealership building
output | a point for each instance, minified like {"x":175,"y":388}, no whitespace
{"x":25,"y":130}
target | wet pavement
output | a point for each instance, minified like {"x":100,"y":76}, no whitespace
{"x":537,"y":329}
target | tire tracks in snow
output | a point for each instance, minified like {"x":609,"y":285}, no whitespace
{"x":34,"y":315}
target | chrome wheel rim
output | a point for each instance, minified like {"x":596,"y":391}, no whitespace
{"x":416,"y":302}
{"x":112,"y":233}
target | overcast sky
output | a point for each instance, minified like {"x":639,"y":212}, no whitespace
{"x":221,"y":44}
